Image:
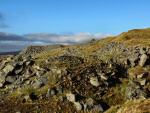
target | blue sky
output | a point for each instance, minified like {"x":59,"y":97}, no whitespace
{"x":73,"y":16}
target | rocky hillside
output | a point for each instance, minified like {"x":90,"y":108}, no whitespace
{"x":110,"y":75}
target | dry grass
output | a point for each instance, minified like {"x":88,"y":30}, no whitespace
{"x":140,"y":37}
{"x":136,"y":106}
{"x":134,"y":71}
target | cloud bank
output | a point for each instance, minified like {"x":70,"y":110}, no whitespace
{"x":64,"y":38}
{"x":12,"y":42}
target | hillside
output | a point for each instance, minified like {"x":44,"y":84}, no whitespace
{"x":110,"y":75}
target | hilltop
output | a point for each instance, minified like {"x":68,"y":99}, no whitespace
{"x":110,"y":75}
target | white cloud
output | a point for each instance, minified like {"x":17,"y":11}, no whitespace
{"x":9,"y":42}
{"x":65,"y":38}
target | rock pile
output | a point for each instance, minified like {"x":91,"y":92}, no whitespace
{"x":73,"y":79}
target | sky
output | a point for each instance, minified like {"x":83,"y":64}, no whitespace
{"x":73,"y":16}
{"x":64,"y":17}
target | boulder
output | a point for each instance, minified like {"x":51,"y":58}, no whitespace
{"x":10,"y":79}
{"x":9,"y":68}
{"x":143,"y":60}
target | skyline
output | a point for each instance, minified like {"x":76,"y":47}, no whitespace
{"x":73,"y":16}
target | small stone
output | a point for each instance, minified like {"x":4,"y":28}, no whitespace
{"x":1,"y":85}
{"x":38,"y":84}
{"x":98,"y":108}
{"x":26,"y":98}
{"x":78,"y":106}
{"x":142,"y":50}
{"x":90,"y":102}
{"x":50,"y":92}
{"x":18,"y":112}
{"x":140,"y":76}
{"x":143,"y":60}
{"x":94,"y":81}
{"x":8,"y":68}
{"x":59,"y":90}
{"x":103,"y":77}
{"x":143,"y":82}
{"x":2,"y":79}
{"x":10,"y":79}
{"x":71,"y":97}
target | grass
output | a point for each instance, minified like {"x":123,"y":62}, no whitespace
{"x":137,"y":37}
{"x":136,"y":106}
{"x":134,"y":71}
{"x":133,"y":106}
{"x":116,"y":94}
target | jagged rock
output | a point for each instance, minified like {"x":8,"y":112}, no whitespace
{"x":59,"y":89}
{"x":134,"y":91}
{"x":142,"y":51}
{"x":78,"y":106}
{"x":37,"y":84}
{"x":98,"y":108}
{"x":140,"y":76}
{"x":89,"y":103}
{"x":18,"y":70}
{"x":40,"y":82}
{"x":9,"y":68}
{"x":94,"y":81}
{"x":2,"y":79}
{"x":10,"y":79}
{"x":71,"y":97}
{"x":143,"y":60}
{"x":103,"y":77}
{"x":142,"y":82}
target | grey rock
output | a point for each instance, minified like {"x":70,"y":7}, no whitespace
{"x":38,"y":84}
{"x":71,"y":97}
{"x":2,"y":79}
{"x":10,"y":79}
{"x":50,"y":92}
{"x":9,"y":68}
{"x":59,"y":89}
{"x":133,"y":91}
{"x":142,"y":50}
{"x":19,"y":70}
{"x":90,"y":102}
{"x":94,"y":81}
{"x":18,"y":112}
{"x":103,"y":77}
{"x":140,"y":76}
{"x":44,"y":80}
{"x":143,"y":60}
{"x":98,"y":108}
{"x":142,"y":82}
{"x":78,"y":106}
